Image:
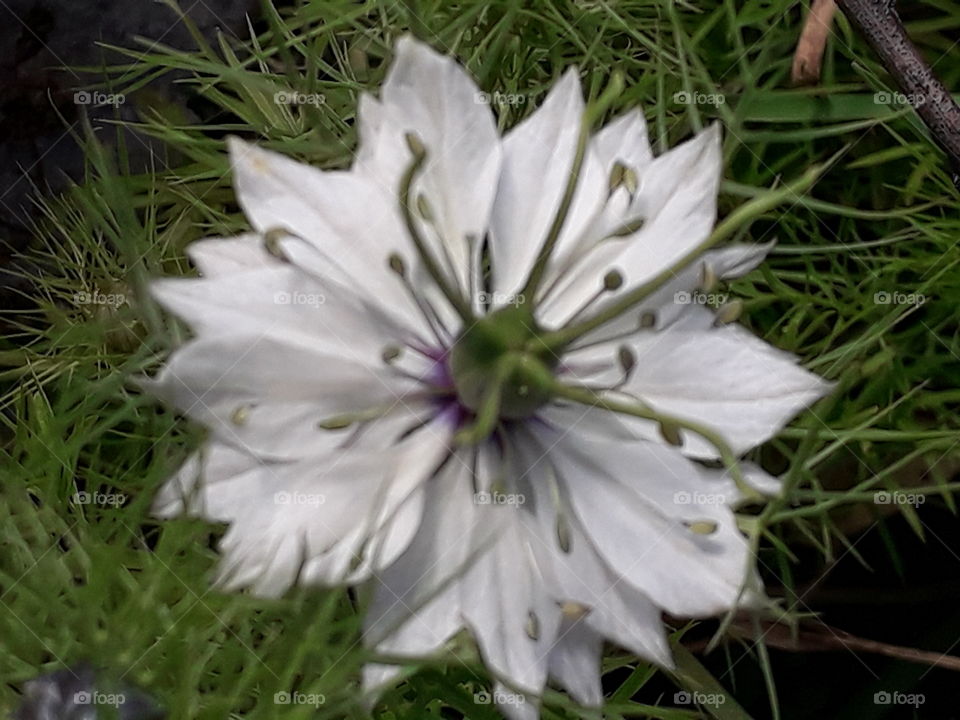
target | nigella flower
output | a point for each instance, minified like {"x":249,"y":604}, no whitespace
{"x":474,"y":374}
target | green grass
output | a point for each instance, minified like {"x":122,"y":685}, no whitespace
{"x":113,"y":585}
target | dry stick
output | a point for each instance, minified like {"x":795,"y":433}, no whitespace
{"x":808,"y":58}
{"x":878,"y":22}
{"x":822,"y":638}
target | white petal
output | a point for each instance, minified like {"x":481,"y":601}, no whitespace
{"x":347,"y":226}
{"x":725,"y":378}
{"x":505,"y":603}
{"x":626,"y":498}
{"x":313,"y":520}
{"x":575,"y":662}
{"x":195,"y":489}
{"x":431,"y":96}
{"x":538,"y":156}
{"x":678,"y":299}
{"x":222,"y":256}
{"x":755,"y":478}
{"x":415,"y":603}
{"x":617,"y":610}
{"x":624,"y":140}
{"x":677,"y":199}
{"x":515,"y":705}
{"x":269,"y":397}
{"x":279,"y":300}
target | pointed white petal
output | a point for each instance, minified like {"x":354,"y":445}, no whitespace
{"x":431,"y":96}
{"x":725,"y":378}
{"x":279,"y":301}
{"x":222,"y":256}
{"x":327,"y":521}
{"x":347,"y":226}
{"x":503,"y":600}
{"x":624,"y":140}
{"x":578,"y":574}
{"x":415,"y":604}
{"x":677,"y":200}
{"x":575,"y":662}
{"x":538,"y":156}
{"x":638,"y":502}
{"x":515,"y":705}
{"x":269,"y":397}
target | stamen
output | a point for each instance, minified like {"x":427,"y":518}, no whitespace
{"x":627,"y":228}
{"x":613,"y":90}
{"x":423,"y":207}
{"x":397,"y":264}
{"x":427,"y":312}
{"x":612,"y":281}
{"x":563,"y":533}
{"x":645,"y":321}
{"x":729,"y":313}
{"x":345,"y":420}
{"x":240,"y":416}
{"x":708,"y":278}
{"x":429,"y":262}
{"x":627,"y":359}
{"x":559,"y":340}
{"x":702,"y":527}
{"x":391,"y":353}
{"x":573,"y":610}
{"x":533,"y":626}
{"x":616,"y":177}
{"x":337,"y":423}
{"x":271,"y":242}
{"x":670,"y":433}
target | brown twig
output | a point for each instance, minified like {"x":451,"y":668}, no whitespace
{"x":878,"y":22}
{"x":816,"y":636}
{"x":808,"y":58}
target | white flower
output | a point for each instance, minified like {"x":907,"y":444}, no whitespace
{"x":513,"y":451}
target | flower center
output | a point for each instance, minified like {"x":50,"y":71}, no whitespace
{"x":499,"y":367}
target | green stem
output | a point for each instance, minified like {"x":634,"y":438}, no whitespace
{"x":573,"y":181}
{"x":406,"y":206}
{"x":560,"y":339}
